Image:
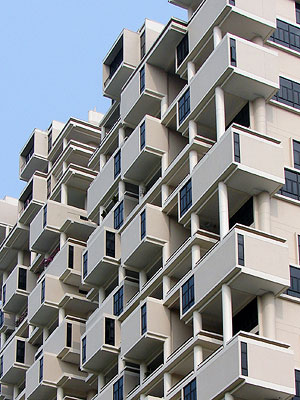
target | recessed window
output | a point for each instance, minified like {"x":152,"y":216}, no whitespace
{"x":299,"y":249}
{"x":182,"y":50}
{"x":144,"y":318}
{"x":143,"y":224}
{"x":142,"y":79}
{"x":188,"y":295}
{"x":117,"y":164}
{"x":20,"y":356}
{"x":294,"y":289}
{"x":244,"y":359}
{"x":43,"y":289}
{"x":41,"y":369}
{"x":71,"y":257}
{"x":143,"y":44}
{"x":233,"y":52}
{"x":22,"y":278}
{"x":297,"y":7}
{"x":27,"y":201}
{"x":297,"y":384}
{"x":118,"y":216}
{"x":110,"y":244}
{"x":118,"y":302}
{"x":237,"y":151}
{"x":45,"y":216}
{"x":83,"y":347}
{"x":289,"y":93}
{"x":4,"y":294}
{"x":184,"y":106}
{"x":85,"y":264}
{"x":296,"y":152}
{"x":291,"y":187}
{"x":232,"y":2}
{"x":49,"y":141}
{"x":117,"y":61}
{"x":48,"y":187}
{"x":241,"y":250}
{"x":69,"y":335}
{"x":287,"y":35}
{"x":110,"y":331}
{"x":1,"y":318}
{"x":142,"y":135}
{"x":190,"y":391}
{"x":185,"y":197}
{"x":118,"y":390}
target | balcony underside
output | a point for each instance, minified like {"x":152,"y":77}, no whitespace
{"x":36,"y":163}
{"x":106,"y":355}
{"x":30,"y":212}
{"x":16,"y":302}
{"x":146,"y":101}
{"x":148,"y":344}
{"x":102,"y":272}
{"x":113,"y":86}
{"x":149,"y":249}
{"x":15,"y":374}
{"x":146,"y":162}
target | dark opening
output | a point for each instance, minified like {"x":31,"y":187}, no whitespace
{"x":246,"y":319}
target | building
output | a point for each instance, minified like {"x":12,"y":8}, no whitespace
{"x":155,"y":250}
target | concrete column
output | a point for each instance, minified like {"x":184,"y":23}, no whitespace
{"x":121,"y":274}
{"x":166,"y":285}
{"x":195,"y":223}
{"x":32,"y":256}
{"x":91,"y":394}
{"x":258,"y":40}
{"x":264,"y":211}
{"x":167,"y":383}
{"x":142,"y":190}
{"x":31,"y":329}
{"x":102,"y":161}
{"x":143,"y":279}
{"x":220,"y":112}
{"x":192,"y":130}
{"x":121,"y":136}
{"x":167,"y":348}
{"x":198,"y":356}
{"x":228,"y":396}
{"x":45,"y":334}
{"x":64,"y":194}
{"x":223,"y":210}
{"x":267,"y":304}
{"x":101,"y":295}
{"x":217,"y":33}
{"x":60,"y":393}
{"x":62,"y":239}
{"x":196,"y":254}
{"x":4,"y":276}
{"x":65,"y":166}
{"x":164,"y":105}
{"x":15,"y":392}
{"x":191,"y":70}
{"x":20,"y":257}
{"x":193,"y":160}
{"x":143,"y":371}
{"x":121,"y":364}
{"x":65,"y":143}
{"x":197,"y":322}
{"x":49,"y":165}
{"x":142,"y":397}
{"x":226,"y":313}
{"x":101,"y":382}
{"x":164,"y":162}
{"x":103,"y":132}
{"x":164,"y":193}
{"x":3,"y":339}
{"x":166,"y":252}
{"x":259,"y":115}
{"x":121,"y":190}
{"x":61,"y":315}
{"x":190,"y":13}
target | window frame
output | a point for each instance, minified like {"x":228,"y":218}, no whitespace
{"x":119,"y":301}
{"x":297,"y":10}
{"x":182,"y":50}
{"x":144,"y":319}
{"x":83,"y":350}
{"x":118,"y":388}
{"x":119,"y":216}
{"x":143,"y":44}
{"x":43,"y":291}
{"x":20,"y":348}
{"x":142,"y":135}
{"x":290,"y":185}
{"x":286,"y":30}
{"x":110,"y":244}
{"x":110,"y":331}
{"x":184,"y":106}
{"x":185,"y":196}
{"x":41,"y":369}
{"x":85,"y":264}
{"x":190,"y":391}
{"x":142,"y":79}
{"x":22,"y":280}
{"x":188,"y":294}
{"x":296,"y":159}
{"x":117,"y":164}
{"x":143,"y":224}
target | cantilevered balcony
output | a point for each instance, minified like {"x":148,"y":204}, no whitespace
{"x":120,"y":62}
{"x":104,"y":252}
{"x":64,"y":342}
{"x":7,"y":322}
{"x":33,"y":198}
{"x":122,"y":384}
{"x":48,"y":372}
{"x":144,"y":237}
{"x":102,"y":342}
{"x":18,"y":285}
{"x":17,"y":355}
{"x":6,"y":392}
{"x":55,"y":218}
{"x":145,"y":330}
{"x":143,"y":91}
{"x":144,"y":149}
{"x":33,"y":156}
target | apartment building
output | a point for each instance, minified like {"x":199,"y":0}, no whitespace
{"x":155,"y":250}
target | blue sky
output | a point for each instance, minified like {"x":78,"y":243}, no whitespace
{"x":51,"y":54}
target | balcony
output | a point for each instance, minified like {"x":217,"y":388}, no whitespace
{"x":50,"y":294}
{"x":32,"y":198}
{"x":144,"y":149}
{"x":243,"y":372}
{"x":17,"y":355}
{"x":64,"y":342}
{"x":120,"y":63}
{"x":144,"y":237}
{"x":152,"y":320}
{"x":55,"y":218}
{"x":48,"y":372}
{"x":6,"y":392}
{"x":7,"y":322}
{"x":143,"y":91}
{"x":67,"y":264}
{"x":130,"y":381}
{"x":249,"y":261}
{"x":18,"y":285}
{"x":104,"y":252}
{"x":33,"y":156}
{"x":100,"y":349}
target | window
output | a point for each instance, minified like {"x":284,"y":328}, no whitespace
{"x":291,"y":188}
{"x":188,"y":297}
{"x":83,"y":345}
{"x":48,"y":187}
{"x":289,"y":93}
{"x":299,"y":249}
{"x":233,"y":52}
{"x":4,"y":294}
{"x":1,"y":318}
{"x":43,"y":288}
{"x":44,"y":216}
{"x":20,"y":356}
{"x":71,"y":257}
{"x":296,"y":151}
{"x":182,"y":50}
{"x":297,"y":384}
{"x":244,"y":359}
{"x":1,"y":366}
{"x":41,"y":372}
{"x":118,"y":216}
{"x":287,"y":35}
{"x":142,"y":135}
{"x":117,"y":164}
{"x":22,"y":278}
{"x":142,"y":79}
{"x":69,"y":335}
{"x":237,"y":152}
{"x":297,"y":7}
{"x":117,"y":61}
{"x":190,"y":391}
{"x":110,"y":244}
{"x":118,"y":302}
{"x":185,"y":197}
{"x":144,"y":318}
{"x":294,"y":289}
{"x":143,"y":224}
{"x":110,"y":331}
{"x":184,"y":106}
{"x":27,"y":200}
{"x":49,"y":141}
{"x":85,"y":264}
{"x":118,"y":390}
{"x":241,"y":250}
{"x":143,"y":44}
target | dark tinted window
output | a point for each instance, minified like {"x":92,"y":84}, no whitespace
{"x":294,"y":289}
{"x":22,"y":279}
{"x":110,"y":244}
{"x":291,"y":187}
{"x":118,"y":302}
{"x":185,"y":197}
{"x":20,"y":356}
{"x":144,"y":319}
{"x":184,"y":106}
{"x":182,"y":50}
{"x":287,"y":35}
{"x":118,"y":216}
{"x":188,"y":296}
{"x":289,"y":93}
{"x":142,"y":79}
{"x":190,"y":391}
{"x":110,"y":331}
{"x":296,"y":150}
{"x":143,"y":224}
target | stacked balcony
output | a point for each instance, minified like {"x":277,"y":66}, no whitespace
{"x":122,"y":384}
